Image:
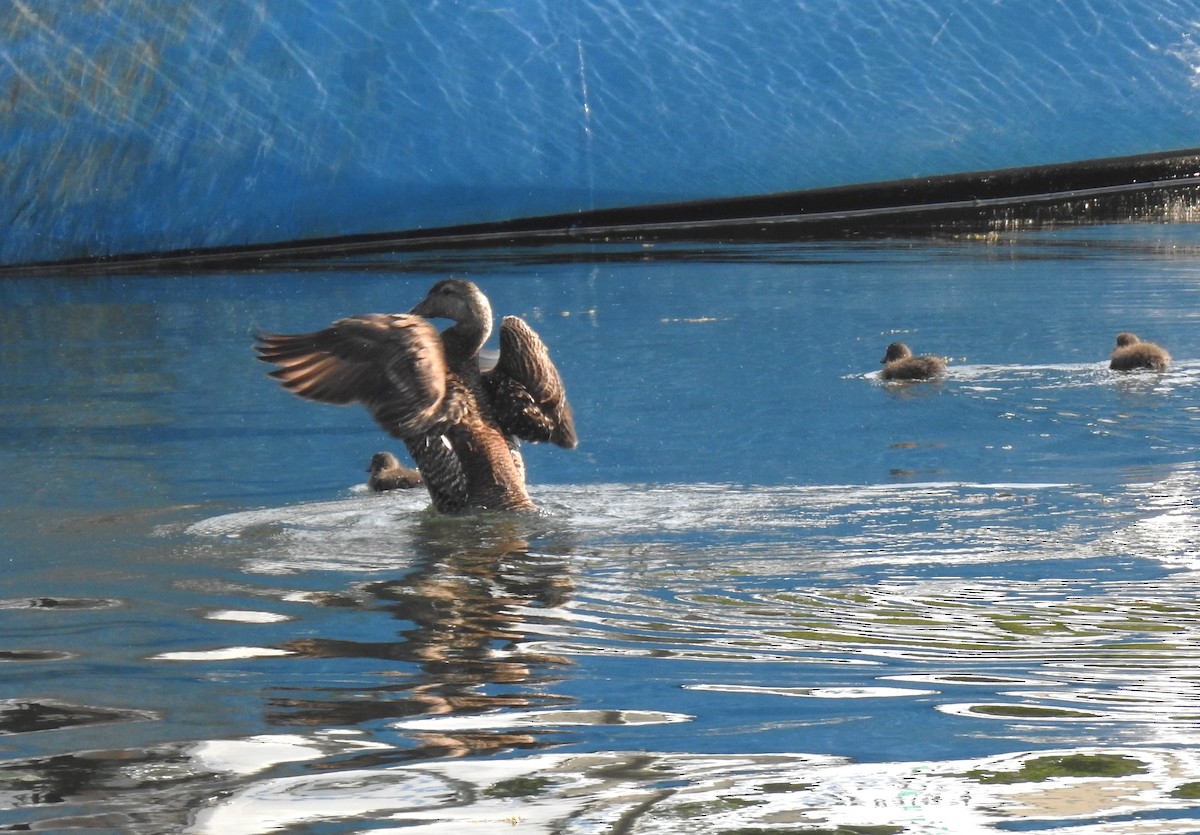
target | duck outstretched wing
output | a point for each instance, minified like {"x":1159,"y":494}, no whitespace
{"x":525,"y":390}
{"x":394,"y":364}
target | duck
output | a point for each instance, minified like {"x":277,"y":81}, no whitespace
{"x":1132,"y":353}
{"x":900,"y":364}
{"x":462,"y":426}
{"x":387,"y":473}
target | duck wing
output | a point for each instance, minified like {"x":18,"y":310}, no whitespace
{"x":525,"y":390}
{"x":394,"y":364}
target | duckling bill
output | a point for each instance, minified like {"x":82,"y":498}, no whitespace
{"x":1132,"y":353}
{"x":900,"y":364}
{"x":461,"y":426}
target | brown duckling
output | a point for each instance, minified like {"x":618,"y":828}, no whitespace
{"x":387,"y":473}
{"x":461,"y":426}
{"x":1132,"y":353}
{"x":900,"y":364}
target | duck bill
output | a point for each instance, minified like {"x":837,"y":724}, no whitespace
{"x":423,"y":309}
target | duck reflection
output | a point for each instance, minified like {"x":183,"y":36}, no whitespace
{"x":476,"y":587}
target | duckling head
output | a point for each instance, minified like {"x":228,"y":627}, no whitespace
{"x":896,"y":351}
{"x":381,"y":461}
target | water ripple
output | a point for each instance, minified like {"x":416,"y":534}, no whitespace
{"x":1026,"y":594}
{"x":1110,"y":790}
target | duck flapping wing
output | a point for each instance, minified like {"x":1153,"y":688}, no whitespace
{"x":525,"y":390}
{"x":393,"y":364}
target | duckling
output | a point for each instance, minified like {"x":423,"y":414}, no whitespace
{"x":1132,"y":353}
{"x":387,"y":473}
{"x":900,"y":364}
{"x":461,"y":426}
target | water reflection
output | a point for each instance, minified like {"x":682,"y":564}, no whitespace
{"x":475,"y":585}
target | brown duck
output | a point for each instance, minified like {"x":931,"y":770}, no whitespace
{"x":461,"y":426}
{"x":387,"y":473}
{"x":900,"y":364}
{"x":1132,"y":353}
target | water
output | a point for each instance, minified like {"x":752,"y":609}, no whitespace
{"x":767,"y":593}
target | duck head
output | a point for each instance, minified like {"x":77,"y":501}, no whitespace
{"x":896,"y":351}
{"x":381,"y":461}
{"x":463,"y":303}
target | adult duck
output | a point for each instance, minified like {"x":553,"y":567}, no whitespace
{"x":461,"y":426}
{"x":900,"y":364}
{"x":1132,"y":353}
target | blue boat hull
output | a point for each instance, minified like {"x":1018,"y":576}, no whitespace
{"x":137,"y":127}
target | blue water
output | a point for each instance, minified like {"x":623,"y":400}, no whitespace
{"x":140,"y":126}
{"x":768,"y":590}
